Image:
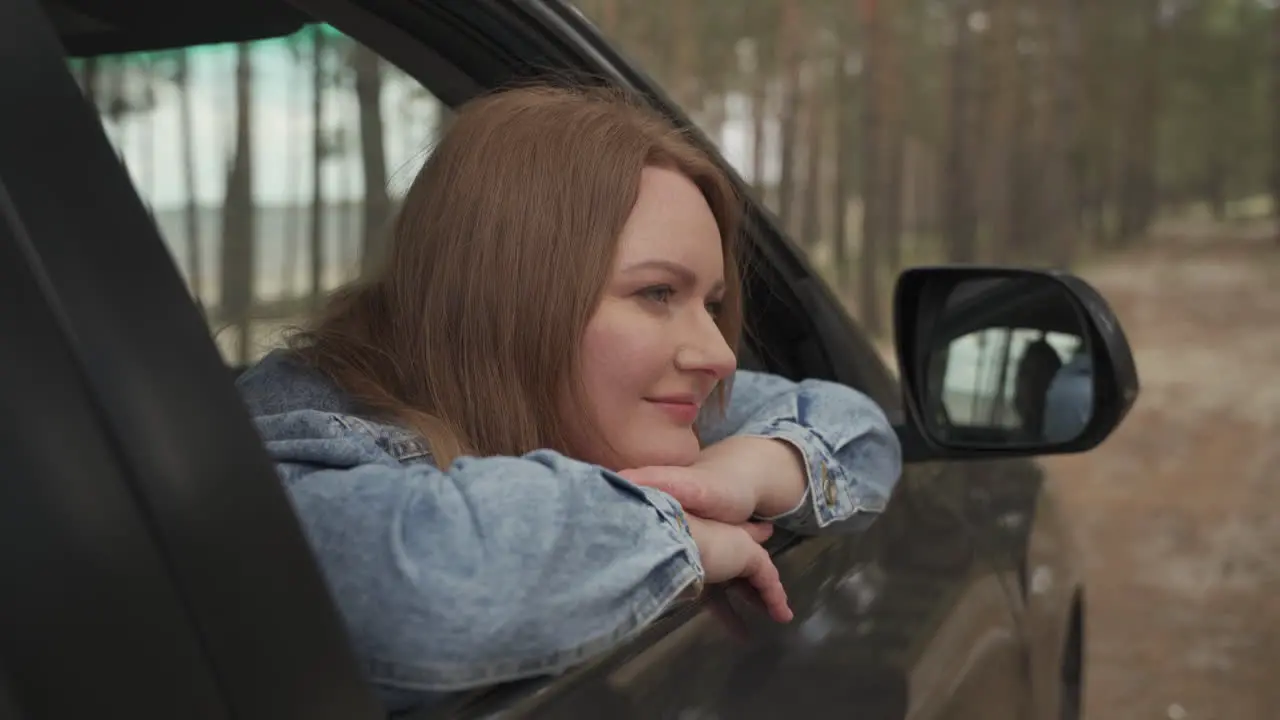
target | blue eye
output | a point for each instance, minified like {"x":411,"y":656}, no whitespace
{"x":658,"y":293}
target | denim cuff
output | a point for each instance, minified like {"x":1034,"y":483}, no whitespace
{"x":828,"y":496}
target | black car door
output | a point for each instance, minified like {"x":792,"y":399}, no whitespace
{"x":152,"y":564}
{"x":909,"y":619}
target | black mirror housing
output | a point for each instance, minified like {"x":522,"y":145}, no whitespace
{"x":1005,"y":362}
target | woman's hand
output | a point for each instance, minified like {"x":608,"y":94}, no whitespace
{"x":734,"y":551}
{"x":733,"y":480}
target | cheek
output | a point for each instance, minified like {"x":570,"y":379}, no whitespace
{"x":625,"y":358}
{"x":622,"y":361}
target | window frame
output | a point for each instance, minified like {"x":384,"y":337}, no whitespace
{"x":267,"y":642}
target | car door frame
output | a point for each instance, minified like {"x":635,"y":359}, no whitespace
{"x":830,"y":345}
{"x":139,"y":456}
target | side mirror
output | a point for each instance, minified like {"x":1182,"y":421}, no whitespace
{"x":1000,"y":362}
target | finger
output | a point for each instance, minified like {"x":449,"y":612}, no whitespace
{"x":763,"y":575}
{"x":759,"y":531}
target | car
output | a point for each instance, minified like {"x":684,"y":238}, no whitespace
{"x":154,"y":567}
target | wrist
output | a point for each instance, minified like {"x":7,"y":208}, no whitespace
{"x":780,"y":477}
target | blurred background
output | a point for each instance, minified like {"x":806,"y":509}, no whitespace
{"x":1136,"y":142}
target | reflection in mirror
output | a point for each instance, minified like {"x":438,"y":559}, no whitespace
{"x":1008,"y":364}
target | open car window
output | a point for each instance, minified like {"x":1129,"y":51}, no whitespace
{"x":271,"y":167}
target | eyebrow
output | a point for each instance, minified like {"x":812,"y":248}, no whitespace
{"x":687,"y":276}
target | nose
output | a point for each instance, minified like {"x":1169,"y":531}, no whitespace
{"x":706,"y":351}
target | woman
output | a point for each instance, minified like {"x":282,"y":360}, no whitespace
{"x":489,"y":441}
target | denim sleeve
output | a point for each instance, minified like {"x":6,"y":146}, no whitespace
{"x":491,"y":570}
{"x":852,"y":455}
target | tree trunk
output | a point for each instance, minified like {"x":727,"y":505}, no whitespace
{"x":1024,"y":165}
{"x":1016,"y":221}
{"x":1003,"y":148}
{"x":609,"y":18}
{"x":377,"y":205}
{"x":846,"y":126}
{"x":895,"y":159}
{"x":349,"y":209}
{"x":146,"y":123}
{"x":759,"y":118}
{"x":1072,"y":108}
{"x":792,"y":57}
{"x":873,"y":200}
{"x":1275,"y":119}
{"x":238,"y":214}
{"x":714,"y":116}
{"x":191,"y":214}
{"x":317,"y":165}
{"x":1055,"y":228}
{"x":684,"y":81}
{"x":1099,"y":119}
{"x":1138,"y":191}
{"x":810,"y":222}
{"x":959,"y":213}
{"x":291,"y":237}
{"x":346,"y":139}
{"x":891,"y":140}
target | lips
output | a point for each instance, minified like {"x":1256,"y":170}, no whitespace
{"x":682,"y":409}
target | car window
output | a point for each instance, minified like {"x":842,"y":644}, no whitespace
{"x":979,"y":383}
{"x":222,"y":142}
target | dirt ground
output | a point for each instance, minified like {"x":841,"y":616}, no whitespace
{"x":1178,"y":514}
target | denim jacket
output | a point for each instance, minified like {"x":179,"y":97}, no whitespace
{"x":498,"y":568}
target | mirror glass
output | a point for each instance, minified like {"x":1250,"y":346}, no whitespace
{"x":1007,"y":363}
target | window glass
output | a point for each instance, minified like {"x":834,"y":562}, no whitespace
{"x":271,"y":167}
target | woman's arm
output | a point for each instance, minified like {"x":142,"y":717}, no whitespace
{"x":490,"y":570}
{"x":846,"y":458}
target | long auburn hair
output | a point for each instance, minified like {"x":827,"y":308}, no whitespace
{"x":469,"y":332}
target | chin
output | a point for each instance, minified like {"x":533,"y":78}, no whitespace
{"x":664,"y":448}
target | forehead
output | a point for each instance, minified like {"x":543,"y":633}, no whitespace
{"x":671,"y":220}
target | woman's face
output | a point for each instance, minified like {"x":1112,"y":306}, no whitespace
{"x":652,"y":352}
